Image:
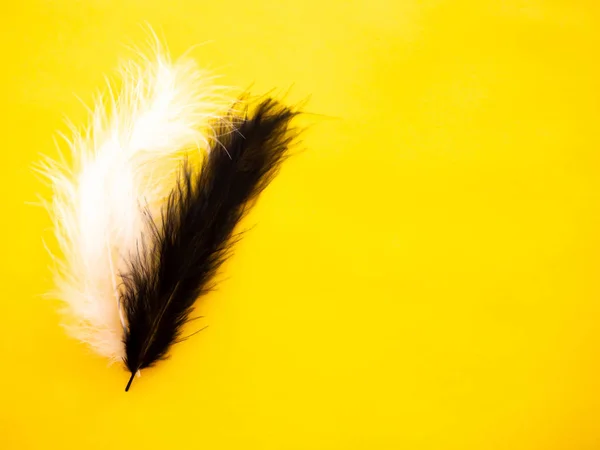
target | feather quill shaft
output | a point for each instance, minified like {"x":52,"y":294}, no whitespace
{"x":196,"y":230}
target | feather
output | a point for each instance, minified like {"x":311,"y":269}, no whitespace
{"x":197,"y":230}
{"x":123,"y":165}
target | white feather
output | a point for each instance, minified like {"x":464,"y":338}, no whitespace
{"x":123,"y":163}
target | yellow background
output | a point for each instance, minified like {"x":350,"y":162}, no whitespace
{"x":424,"y":275}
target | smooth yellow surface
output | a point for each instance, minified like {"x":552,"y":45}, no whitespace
{"x":423,"y":275}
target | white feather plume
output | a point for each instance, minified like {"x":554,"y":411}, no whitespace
{"x":120,"y":166}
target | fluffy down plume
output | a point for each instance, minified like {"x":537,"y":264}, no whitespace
{"x":120,"y":169}
{"x":196,"y":230}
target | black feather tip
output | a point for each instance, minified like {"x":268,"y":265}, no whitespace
{"x":197,"y":229}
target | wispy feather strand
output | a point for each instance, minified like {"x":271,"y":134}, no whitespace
{"x":196,"y":229}
{"x":123,"y":165}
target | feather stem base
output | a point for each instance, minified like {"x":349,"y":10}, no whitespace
{"x":130,"y":381}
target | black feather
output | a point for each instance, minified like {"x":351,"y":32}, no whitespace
{"x":197,"y":230}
